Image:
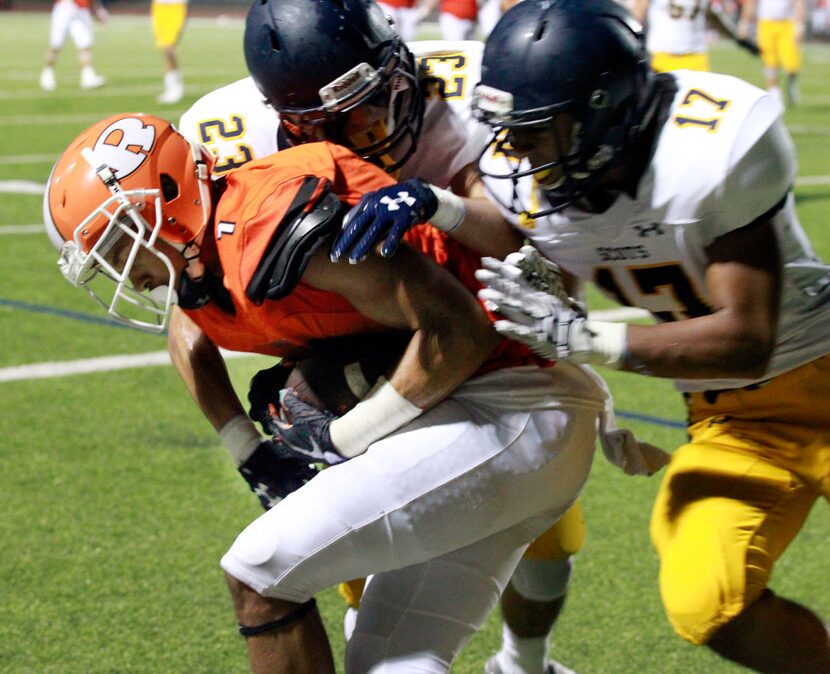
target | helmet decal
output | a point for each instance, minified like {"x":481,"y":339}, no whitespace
{"x":108,"y":205}
{"x":124,"y":145}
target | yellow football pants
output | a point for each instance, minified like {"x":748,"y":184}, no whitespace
{"x":736,"y":495}
{"x":168,"y":22}
{"x":662,"y":62}
{"x":779,"y":48}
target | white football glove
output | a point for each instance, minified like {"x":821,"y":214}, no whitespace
{"x":632,"y":456}
{"x":553,"y":326}
{"x":538,"y":272}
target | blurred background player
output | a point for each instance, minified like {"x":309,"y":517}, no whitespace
{"x":73,"y":18}
{"x":405,"y":16}
{"x":456,"y":18}
{"x":711,"y":245}
{"x":780,"y":27}
{"x":168,"y":18}
{"x":676,"y":32}
{"x":489,"y":13}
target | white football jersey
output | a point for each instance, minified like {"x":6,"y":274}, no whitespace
{"x":237,"y":125}
{"x":723,"y":159}
{"x":676,"y":26}
{"x":776,"y":10}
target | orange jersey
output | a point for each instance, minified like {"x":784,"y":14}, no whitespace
{"x":463,"y":9}
{"x":249,"y":214}
{"x":399,"y":4}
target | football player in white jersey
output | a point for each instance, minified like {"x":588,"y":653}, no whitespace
{"x":673,"y":193}
{"x":439,"y":145}
{"x":676,"y":32}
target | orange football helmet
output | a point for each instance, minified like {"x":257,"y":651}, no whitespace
{"x":133,"y":176}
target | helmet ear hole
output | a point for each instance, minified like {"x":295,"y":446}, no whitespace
{"x":275,"y":40}
{"x":169,"y":187}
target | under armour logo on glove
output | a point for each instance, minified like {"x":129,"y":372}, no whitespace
{"x":402,"y":198}
{"x":302,"y":431}
{"x":272,"y":474}
{"x":384,"y":215}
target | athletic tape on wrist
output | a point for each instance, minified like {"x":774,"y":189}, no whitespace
{"x":609,"y":343}
{"x":241,"y":438}
{"x":380,"y":414}
{"x":450,"y":212}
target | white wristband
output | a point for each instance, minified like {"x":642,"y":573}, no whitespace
{"x":380,"y":414}
{"x":609,"y":343}
{"x":450,"y":211}
{"x":241,"y":437}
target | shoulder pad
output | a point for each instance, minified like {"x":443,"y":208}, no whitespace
{"x":298,"y":237}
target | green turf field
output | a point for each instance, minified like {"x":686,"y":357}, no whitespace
{"x":117,"y":498}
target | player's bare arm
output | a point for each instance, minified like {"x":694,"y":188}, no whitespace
{"x":639,"y":9}
{"x":452,"y":334}
{"x":736,"y":340}
{"x":483,"y":227}
{"x":201,"y":366}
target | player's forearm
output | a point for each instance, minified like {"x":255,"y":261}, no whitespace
{"x":201,"y":366}
{"x":483,"y":227}
{"x":747,"y":16}
{"x":800,"y":13}
{"x":709,"y":347}
{"x":485,"y":231}
{"x":639,"y":9}
{"x":440,"y":358}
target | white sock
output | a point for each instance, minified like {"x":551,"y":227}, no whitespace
{"x":522,"y":656}
{"x":88,"y":72}
{"x":172,"y":79}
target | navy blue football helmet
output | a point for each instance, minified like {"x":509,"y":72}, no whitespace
{"x":582,"y":57}
{"x":336,"y":70}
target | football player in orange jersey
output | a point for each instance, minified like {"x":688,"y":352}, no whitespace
{"x":438,"y":482}
{"x":312,"y":93}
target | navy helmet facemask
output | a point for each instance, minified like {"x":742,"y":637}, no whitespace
{"x":336,"y":70}
{"x":544,"y":58}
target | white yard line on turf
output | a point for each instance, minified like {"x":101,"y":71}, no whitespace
{"x":21,"y":229}
{"x":65,"y":368}
{"x":22,"y":187}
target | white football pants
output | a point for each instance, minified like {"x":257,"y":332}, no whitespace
{"x":439,"y":513}
{"x":68,"y":18}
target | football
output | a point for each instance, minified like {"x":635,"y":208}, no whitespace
{"x":342,"y":371}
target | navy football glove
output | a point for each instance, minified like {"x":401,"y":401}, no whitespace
{"x":265,"y":389}
{"x":302,"y":430}
{"x":273,"y":474}
{"x":384,"y":215}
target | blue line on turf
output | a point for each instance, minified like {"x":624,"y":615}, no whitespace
{"x":62,"y":313}
{"x":657,"y":421}
{"x":97,"y":320}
